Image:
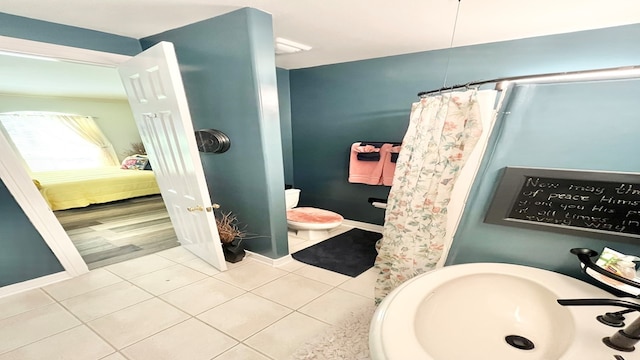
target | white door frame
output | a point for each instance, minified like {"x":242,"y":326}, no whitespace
{"x":18,"y":181}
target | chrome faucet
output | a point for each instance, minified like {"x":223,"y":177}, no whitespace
{"x":622,"y":340}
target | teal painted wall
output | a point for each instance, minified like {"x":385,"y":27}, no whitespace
{"x":228,"y":69}
{"x":284,"y":99}
{"x":331,"y":106}
{"x":585,"y":126}
{"x":48,"y":32}
{"x":335,"y":105}
{"x":24,"y":254}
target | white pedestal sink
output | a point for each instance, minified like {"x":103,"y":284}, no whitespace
{"x":467,"y":311}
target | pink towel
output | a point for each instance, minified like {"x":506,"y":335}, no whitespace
{"x":389,"y":168}
{"x":367,"y":172}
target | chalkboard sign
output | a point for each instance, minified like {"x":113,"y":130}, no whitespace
{"x":605,"y":205}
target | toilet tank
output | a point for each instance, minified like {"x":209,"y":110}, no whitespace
{"x":291,"y":198}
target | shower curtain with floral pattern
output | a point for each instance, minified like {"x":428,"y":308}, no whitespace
{"x":442,"y":132}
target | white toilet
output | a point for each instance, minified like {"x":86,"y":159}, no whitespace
{"x":309,"y":223}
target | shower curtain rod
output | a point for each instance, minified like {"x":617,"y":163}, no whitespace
{"x":476,"y":84}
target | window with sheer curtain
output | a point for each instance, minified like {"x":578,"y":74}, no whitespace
{"x":53,"y":141}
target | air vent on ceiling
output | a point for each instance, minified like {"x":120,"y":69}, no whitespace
{"x":284,"y":46}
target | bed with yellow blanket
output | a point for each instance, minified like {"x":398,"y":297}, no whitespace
{"x":79,"y":188}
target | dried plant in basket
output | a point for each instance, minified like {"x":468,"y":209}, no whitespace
{"x":228,"y":228}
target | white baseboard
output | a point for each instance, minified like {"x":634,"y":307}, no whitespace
{"x":287,"y":258}
{"x":33,"y":284}
{"x":269,"y":261}
{"x":363,"y":225}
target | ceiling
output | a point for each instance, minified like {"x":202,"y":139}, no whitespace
{"x":339,"y":30}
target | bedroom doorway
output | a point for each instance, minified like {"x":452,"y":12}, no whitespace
{"x":100,"y":205}
{"x":102,"y":234}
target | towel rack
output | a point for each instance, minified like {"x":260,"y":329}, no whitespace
{"x":380,"y":143}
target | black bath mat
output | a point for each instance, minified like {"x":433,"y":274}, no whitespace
{"x":350,"y":253}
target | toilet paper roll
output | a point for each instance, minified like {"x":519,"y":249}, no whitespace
{"x":379,"y":205}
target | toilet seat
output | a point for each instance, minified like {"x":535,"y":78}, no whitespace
{"x":308,"y":218}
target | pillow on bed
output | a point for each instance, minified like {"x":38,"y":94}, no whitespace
{"x":135,"y":162}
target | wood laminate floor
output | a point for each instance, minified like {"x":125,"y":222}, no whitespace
{"x":109,"y":233}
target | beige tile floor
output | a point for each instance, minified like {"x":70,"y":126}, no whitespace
{"x":171,"y":305}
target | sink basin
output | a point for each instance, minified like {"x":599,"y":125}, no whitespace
{"x":528,"y":310}
{"x":489,"y":311}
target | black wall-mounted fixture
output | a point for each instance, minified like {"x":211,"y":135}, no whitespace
{"x":212,"y":141}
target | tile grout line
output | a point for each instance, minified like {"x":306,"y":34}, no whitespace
{"x":116,"y":349}
{"x":195,"y":317}
{"x":86,"y":323}
{"x":81,"y":323}
{"x":190,"y":316}
{"x":332,"y":287}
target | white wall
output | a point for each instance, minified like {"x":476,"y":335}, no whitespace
{"x":112,"y":115}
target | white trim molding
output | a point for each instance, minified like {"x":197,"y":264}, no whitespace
{"x":20,"y":185}
{"x":287,"y":258}
{"x":33,"y":284}
{"x":269,"y":261}
{"x":60,"y":52}
{"x":363,"y":225}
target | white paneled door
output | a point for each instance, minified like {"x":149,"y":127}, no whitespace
{"x":154,"y":87}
